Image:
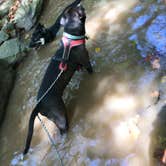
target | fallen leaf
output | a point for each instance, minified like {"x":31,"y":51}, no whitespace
{"x":148,"y":58}
{"x":155,"y":63}
{"x":164,"y":157}
{"x":97,"y":49}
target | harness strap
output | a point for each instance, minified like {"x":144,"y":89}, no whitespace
{"x":72,"y":43}
{"x":68,"y":45}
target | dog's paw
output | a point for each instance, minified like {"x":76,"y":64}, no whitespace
{"x":38,"y":36}
{"x":42,"y":40}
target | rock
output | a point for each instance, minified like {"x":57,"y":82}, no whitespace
{"x":26,"y":15}
{"x":3,"y":36}
{"x":9,"y":28}
{"x":7,"y":75}
{"x":4,"y":7}
{"x":10,"y":50}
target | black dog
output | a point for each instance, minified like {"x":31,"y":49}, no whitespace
{"x":71,"y":54}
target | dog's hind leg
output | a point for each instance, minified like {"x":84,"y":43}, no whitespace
{"x":58,"y":114}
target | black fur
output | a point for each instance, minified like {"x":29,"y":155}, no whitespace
{"x":52,"y":105}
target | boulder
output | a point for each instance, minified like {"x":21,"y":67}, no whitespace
{"x":11,"y":50}
{"x":3,"y":36}
{"x":4,"y":7}
{"x":27,"y":13}
{"x":7,"y":75}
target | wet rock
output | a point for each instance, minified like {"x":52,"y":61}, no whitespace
{"x":27,"y":13}
{"x":4,"y":7}
{"x":10,"y":50}
{"x":3,"y":36}
{"x":9,"y":29}
{"x":7,"y":75}
{"x":160,"y":133}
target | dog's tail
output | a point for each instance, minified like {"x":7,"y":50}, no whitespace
{"x":30,"y":129}
{"x":55,"y":28}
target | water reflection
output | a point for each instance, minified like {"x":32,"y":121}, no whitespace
{"x":153,"y":37}
{"x":156,"y":34}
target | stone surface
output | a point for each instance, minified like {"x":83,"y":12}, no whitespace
{"x":6,"y":83}
{"x":4,"y":7}
{"x":27,"y":13}
{"x":10,"y":50}
{"x":3,"y":36}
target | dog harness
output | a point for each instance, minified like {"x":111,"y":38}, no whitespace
{"x":69,"y":41}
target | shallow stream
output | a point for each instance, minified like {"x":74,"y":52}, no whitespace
{"x":110,"y":118}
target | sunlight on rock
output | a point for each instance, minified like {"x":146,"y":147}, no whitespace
{"x":126,"y":119}
{"x":120,"y":104}
{"x":107,"y":13}
{"x":125,"y":134}
{"x":102,"y":85}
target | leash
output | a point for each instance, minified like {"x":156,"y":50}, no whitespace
{"x":51,"y":140}
{"x":42,"y":123}
{"x":49,"y":87}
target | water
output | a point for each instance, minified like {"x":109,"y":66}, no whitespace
{"x":110,"y":121}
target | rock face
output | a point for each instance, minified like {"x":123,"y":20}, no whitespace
{"x":4,"y":7}
{"x":24,"y":14}
{"x":10,"y":50}
{"x":6,"y":83}
{"x":3,"y":36}
{"x":27,"y":13}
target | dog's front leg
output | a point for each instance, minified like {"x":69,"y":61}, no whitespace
{"x":86,"y":62}
{"x":89,"y":68}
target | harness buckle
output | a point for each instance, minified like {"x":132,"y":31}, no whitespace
{"x":63,"y":66}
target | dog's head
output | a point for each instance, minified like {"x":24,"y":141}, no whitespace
{"x":73,"y":20}
{"x":38,"y":36}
